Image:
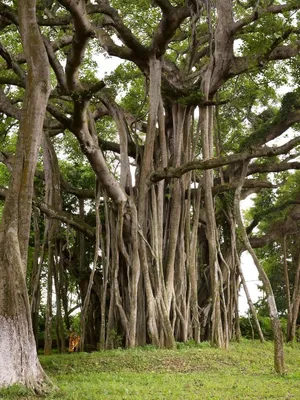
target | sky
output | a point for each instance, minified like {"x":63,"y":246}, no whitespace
{"x":251,"y":277}
{"x":249,"y":270}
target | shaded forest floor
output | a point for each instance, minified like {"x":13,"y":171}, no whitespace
{"x":245,"y":371}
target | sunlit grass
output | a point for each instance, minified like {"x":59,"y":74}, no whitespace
{"x":245,"y":371}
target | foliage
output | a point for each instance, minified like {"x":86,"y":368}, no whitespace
{"x":249,"y":331}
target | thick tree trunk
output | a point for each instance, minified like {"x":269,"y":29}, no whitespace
{"x":18,"y":360}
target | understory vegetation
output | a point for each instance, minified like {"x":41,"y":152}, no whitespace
{"x":191,"y":371}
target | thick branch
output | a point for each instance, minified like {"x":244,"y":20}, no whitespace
{"x":248,"y":184}
{"x":7,"y":159}
{"x":7,"y":108}
{"x":55,"y":64}
{"x":274,"y":9}
{"x":89,"y":145}
{"x":125,"y":34}
{"x":221,"y":161}
{"x":68,"y":218}
{"x":284,"y":166}
{"x":167,"y":28}
{"x":240,"y":65}
{"x":12,"y":64}
{"x":60,"y":116}
{"x":122,"y":52}
{"x":56,"y":45}
{"x":9,"y":13}
{"x":164,"y":5}
{"x":83,"y":31}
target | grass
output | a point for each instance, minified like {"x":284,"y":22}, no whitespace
{"x":245,"y":372}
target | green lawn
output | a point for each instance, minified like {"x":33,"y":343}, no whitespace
{"x":245,"y":371}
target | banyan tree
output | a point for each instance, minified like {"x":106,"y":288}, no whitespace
{"x":136,"y":196}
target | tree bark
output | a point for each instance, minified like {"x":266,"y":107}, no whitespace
{"x":18,"y":361}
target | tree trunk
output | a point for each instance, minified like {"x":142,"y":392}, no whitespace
{"x":217,"y":335}
{"x":35,"y":289}
{"x":295,"y":306}
{"x":86,"y":302}
{"x":53,"y":199}
{"x":48,"y":320}
{"x":105,"y":247}
{"x":251,"y":305}
{"x":276,"y":326}
{"x":18,"y":361}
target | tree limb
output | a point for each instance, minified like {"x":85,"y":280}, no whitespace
{"x":67,"y":218}
{"x":7,"y":108}
{"x":258,"y":13}
{"x":222,"y":161}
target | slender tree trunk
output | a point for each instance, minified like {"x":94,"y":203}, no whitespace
{"x":35,"y":290}
{"x":52,"y":197}
{"x":48,"y":321}
{"x":217,"y":336}
{"x":193,"y":270}
{"x":250,"y":303}
{"x":287,"y":289}
{"x":105,"y":246}
{"x":295,"y":305}
{"x":155,"y":81}
{"x":81,"y":239}
{"x":236,"y":261}
{"x":35,"y":298}
{"x":60,"y":334}
{"x":277,"y":329}
{"x":86,"y":302}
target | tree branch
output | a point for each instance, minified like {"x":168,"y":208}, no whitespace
{"x":11,"y":64}
{"x":167,"y":27}
{"x":276,"y":167}
{"x":56,"y":66}
{"x":83,"y":32}
{"x":222,"y":161}
{"x":124,"y":32}
{"x":240,"y":65}
{"x":7,"y":108}
{"x":9,"y":13}
{"x":67,"y":218}
{"x":257,"y":14}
